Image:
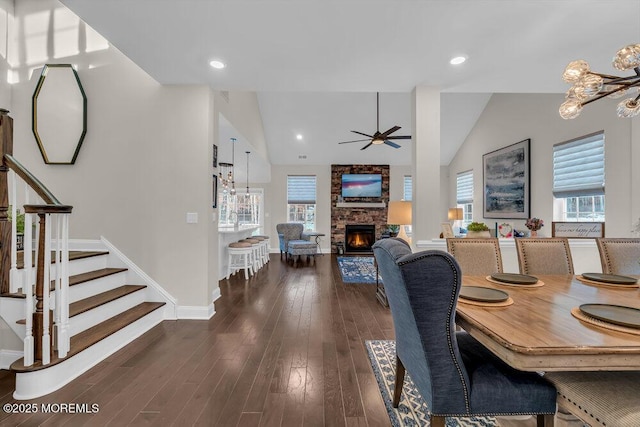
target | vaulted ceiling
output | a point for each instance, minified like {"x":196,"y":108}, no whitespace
{"x":317,"y":64}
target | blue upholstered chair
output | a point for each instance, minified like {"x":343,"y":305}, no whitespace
{"x":453,"y":372}
{"x":293,"y":233}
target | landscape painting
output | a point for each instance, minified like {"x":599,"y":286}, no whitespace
{"x":506,"y":182}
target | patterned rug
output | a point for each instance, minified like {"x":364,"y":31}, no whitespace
{"x":357,"y":269}
{"x":412,"y":410}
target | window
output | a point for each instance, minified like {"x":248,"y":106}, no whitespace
{"x":464,"y":196}
{"x":407,"y":188}
{"x":578,"y":179}
{"x":301,"y":200}
{"x":243,"y":208}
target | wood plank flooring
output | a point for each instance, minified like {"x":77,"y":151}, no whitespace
{"x":285,"y":348}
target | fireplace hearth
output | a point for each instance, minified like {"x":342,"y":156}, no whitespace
{"x":359,"y":238}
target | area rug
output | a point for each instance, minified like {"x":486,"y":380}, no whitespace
{"x":357,"y":269}
{"x":412,"y":410}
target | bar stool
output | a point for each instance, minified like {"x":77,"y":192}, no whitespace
{"x":265,"y":247}
{"x":240,"y":254}
{"x":255,"y":253}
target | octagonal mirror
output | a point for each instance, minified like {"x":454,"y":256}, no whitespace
{"x":59,"y":108}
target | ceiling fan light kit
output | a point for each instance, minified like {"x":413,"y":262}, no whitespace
{"x":379,"y":138}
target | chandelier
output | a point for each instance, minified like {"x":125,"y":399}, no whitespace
{"x":589,"y":86}
{"x":226,"y":172}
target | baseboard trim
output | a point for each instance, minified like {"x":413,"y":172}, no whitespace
{"x":195,"y":312}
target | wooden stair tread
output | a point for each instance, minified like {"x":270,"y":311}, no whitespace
{"x":72,"y":255}
{"x":87,"y":338}
{"x":97,"y":300}
{"x":77,"y":279}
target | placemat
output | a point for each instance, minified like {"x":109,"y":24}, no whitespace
{"x":506,"y":303}
{"x":607,"y":285}
{"x":578,"y":314}
{"x":514,"y":285}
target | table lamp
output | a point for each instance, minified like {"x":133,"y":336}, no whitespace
{"x":400,"y":213}
{"x":455,"y":215}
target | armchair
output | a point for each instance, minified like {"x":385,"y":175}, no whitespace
{"x":453,"y":372}
{"x":293,"y":233}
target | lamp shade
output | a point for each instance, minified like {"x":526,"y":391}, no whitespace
{"x":399,"y":213}
{"x":455,"y":214}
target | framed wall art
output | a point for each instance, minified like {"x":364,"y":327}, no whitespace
{"x":215,"y":156}
{"x":215,"y":192}
{"x":506,"y":182}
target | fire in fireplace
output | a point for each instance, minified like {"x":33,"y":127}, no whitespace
{"x":359,"y":238}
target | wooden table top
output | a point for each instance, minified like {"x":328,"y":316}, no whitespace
{"x":538,"y":333}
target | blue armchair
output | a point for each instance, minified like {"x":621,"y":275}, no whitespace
{"x":453,"y":372}
{"x":292,"y":232}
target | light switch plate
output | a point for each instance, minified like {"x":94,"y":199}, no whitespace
{"x":192,"y":217}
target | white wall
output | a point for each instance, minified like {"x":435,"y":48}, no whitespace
{"x":510,"y":118}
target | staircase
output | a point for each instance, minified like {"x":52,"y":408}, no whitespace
{"x":110,"y":305}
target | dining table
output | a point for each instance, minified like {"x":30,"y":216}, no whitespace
{"x":538,"y":332}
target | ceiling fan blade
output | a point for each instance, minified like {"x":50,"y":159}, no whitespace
{"x":363,"y":134}
{"x":393,"y":144}
{"x":399,"y":137}
{"x":366,"y":146}
{"x":385,"y":134}
{"x":356,"y":140}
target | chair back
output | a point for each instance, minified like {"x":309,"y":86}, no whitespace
{"x":544,"y":256}
{"x":619,"y":255}
{"x":476,"y":257}
{"x":288,"y":231}
{"x":422,"y":290}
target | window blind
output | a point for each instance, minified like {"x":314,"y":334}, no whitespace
{"x":301,"y":189}
{"x":408,"y":187}
{"x":464,"y":187}
{"x":578,"y":167}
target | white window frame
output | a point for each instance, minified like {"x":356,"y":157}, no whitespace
{"x":579,"y":178}
{"x":307,"y":207}
{"x":464,"y":197}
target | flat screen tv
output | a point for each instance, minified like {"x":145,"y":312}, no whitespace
{"x":362,"y":185}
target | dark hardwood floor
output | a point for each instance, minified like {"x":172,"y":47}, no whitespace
{"x":285,"y":348}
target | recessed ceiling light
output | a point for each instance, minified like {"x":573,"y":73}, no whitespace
{"x":299,"y":137}
{"x":218,"y":65}
{"x":457,"y":60}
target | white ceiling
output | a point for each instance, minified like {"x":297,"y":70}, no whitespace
{"x":316,"y":64}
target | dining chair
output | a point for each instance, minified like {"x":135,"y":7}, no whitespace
{"x":476,"y":257}
{"x":544,"y":256}
{"x":455,"y":374}
{"x":619,"y":255}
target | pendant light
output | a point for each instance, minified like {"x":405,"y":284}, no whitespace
{"x":226,"y":172}
{"x":248,"y":152}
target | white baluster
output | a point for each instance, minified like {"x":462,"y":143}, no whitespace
{"x":27,"y":268}
{"x":28,"y":291}
{"x":46,"y":337}
{"x":64,"y":341}
{"x":13,"y":272}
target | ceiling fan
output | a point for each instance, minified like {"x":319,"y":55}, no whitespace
{"x":379,"y":138}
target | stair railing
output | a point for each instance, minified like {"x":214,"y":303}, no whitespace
{"x":50,"y":220}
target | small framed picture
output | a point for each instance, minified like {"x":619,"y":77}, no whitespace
{"x":505,"y":230}
{"x":215,"y":191}
{"x":215,"y":156}
{"x":447,"y":231}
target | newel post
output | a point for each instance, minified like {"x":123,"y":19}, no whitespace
{"x":6,"y":147}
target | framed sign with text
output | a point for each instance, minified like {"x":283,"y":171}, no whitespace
{"x":577,"y":230}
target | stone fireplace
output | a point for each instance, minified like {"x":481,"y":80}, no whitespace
{"x":359,"y":238}
{"x":367,"y":211}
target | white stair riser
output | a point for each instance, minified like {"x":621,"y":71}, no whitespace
{"x":30,"y":385}
{"x":77,"y":266}
{"x":96,"y":286}
{"x":88,"y":319}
